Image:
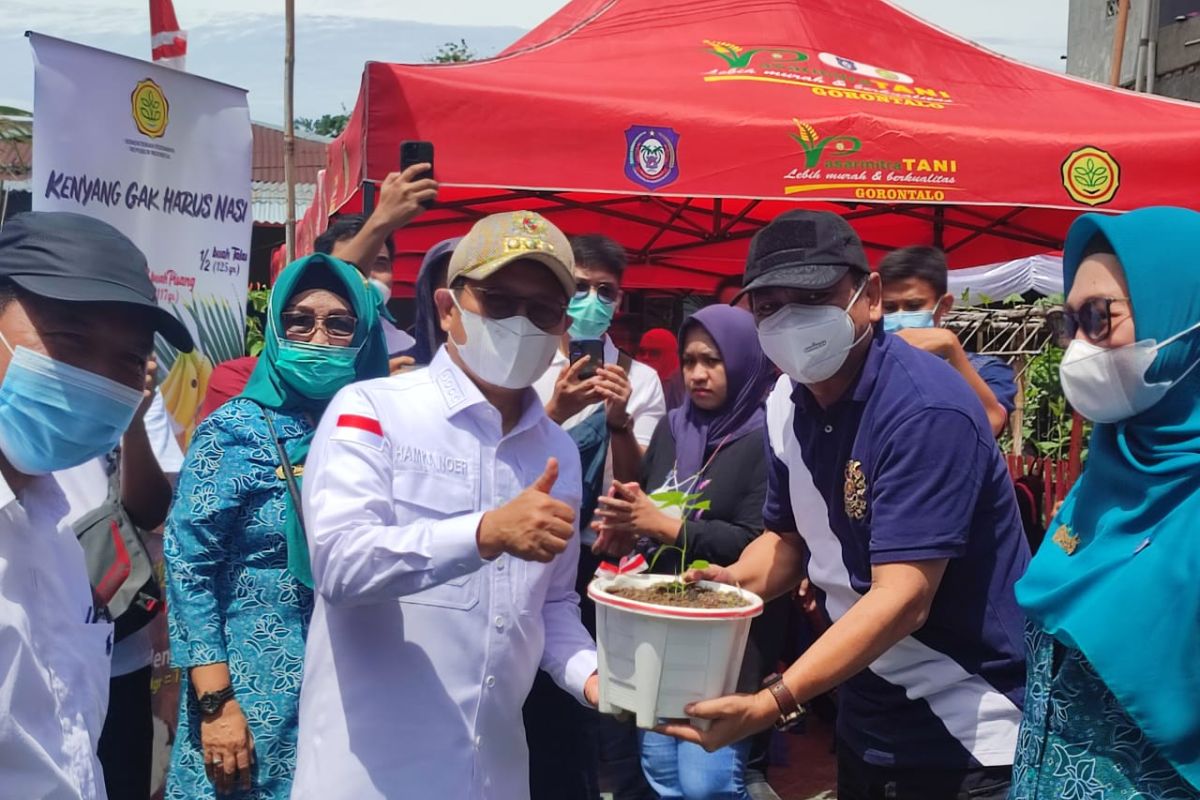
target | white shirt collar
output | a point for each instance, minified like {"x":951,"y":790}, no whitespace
{"x":7,"y":495}
{"x":459,"y":393}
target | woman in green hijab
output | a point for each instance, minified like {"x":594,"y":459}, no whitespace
{"x":1112,"y":707}
{"x":238,"y":581}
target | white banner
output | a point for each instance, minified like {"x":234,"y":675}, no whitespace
{"x":164,"y":157}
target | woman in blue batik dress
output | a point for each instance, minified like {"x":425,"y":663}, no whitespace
{"x":1112,"y":706}
{"x":238,"y":580}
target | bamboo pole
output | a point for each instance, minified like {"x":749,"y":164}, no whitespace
{"x":1114,"y":76}
{"x":289,"y":127}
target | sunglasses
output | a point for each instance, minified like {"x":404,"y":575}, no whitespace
{"x":498,"y":304}
{"x":1093,"y":317}
{"x":605,"y":291}
{"x":305,"y":323}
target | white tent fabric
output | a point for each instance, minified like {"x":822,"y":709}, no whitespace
{"x":994,"y":282}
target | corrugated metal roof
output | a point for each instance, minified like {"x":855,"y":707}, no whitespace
{"x":269,"y":201}
{"x":268,"y":154}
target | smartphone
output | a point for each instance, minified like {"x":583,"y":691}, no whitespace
{"x":587,"y":347}
{"x":417,"y":152}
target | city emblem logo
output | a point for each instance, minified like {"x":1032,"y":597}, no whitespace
{"x":651,"y":156}
{"x":814,"y":146}
{"x":1091,"y":176}
{"x":150,"y":109}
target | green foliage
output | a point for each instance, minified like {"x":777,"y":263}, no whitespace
{"x":453,"y":53}
{"x":330,"y":125}
{"x":687,"y":504}
{"x":256,"y":315}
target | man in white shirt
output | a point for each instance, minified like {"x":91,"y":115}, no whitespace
{"x":66,"y":396}
{"x":148,"y":462}
{"x":440,"y":510}
{"x":563,"y":757}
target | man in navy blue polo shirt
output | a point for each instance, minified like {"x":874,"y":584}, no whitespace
{"x":886,"y":488}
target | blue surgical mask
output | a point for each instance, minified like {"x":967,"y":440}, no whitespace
{"x":900,"y":320}
{"x":590,"y":316}
{"x":55,"y":416}
{"x":317,"y":371}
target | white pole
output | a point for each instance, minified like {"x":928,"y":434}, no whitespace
{"x":289,"y":127}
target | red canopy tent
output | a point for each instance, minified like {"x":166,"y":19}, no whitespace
{"x":680,"y":127}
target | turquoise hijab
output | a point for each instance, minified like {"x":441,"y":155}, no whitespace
{"x":1129,"y":596}
{"x":269,"y":388}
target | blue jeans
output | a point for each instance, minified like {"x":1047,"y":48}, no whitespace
{"x":685,"y":771}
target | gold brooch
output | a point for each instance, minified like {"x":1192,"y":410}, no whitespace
{"x":856,"y":490}
{"x":1068,"y":541}
{"x":297,"y":471}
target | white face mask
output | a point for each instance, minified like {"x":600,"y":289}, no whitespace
{"x":512,"y":353}
{"x":810,"y":343}
{"x":1109,"y":384}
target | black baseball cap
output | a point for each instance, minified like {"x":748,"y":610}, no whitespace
{"x":63,"y":256}
{"x":808,"y":250}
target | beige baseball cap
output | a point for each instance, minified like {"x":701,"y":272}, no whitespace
{"x":500,"y":239}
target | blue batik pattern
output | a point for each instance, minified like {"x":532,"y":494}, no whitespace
{"x":230,"y":595}
{"x":1076,"y":741}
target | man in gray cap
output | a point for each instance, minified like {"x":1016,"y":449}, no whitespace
{"x":885,"y":488}
{"x":77,"y":323}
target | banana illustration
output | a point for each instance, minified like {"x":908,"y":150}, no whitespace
{"x":184,"y":388}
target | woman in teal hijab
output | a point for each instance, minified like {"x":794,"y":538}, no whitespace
{"x":1112,"y":707}
{"x":238,"y":581}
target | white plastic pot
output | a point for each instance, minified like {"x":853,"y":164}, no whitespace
{"x":655,"y":660}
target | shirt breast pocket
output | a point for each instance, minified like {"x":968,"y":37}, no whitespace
{"x":422,"y":496}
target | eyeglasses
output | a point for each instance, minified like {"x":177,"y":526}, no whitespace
{"x":498,"y":304}
{"x":1094,"y":318}
{"x":305,"y":323}
{"x":605,"y":291}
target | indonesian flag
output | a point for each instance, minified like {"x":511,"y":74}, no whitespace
{"x":168,"y":44}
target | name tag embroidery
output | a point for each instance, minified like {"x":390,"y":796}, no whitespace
{"x":431,"y":462}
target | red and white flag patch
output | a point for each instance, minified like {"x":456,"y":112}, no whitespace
{"x":360,"y":429}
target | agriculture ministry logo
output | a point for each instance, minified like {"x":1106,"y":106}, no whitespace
{"x":150,"y":109}
{"x":1091,"y":176}
{"x":651,"y":156}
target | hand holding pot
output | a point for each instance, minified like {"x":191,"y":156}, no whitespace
{"x":532,"y":526}
{"x":710,"y":573}
{"x":734,"y":717}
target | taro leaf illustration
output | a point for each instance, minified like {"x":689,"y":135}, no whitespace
{"x":1091,"y":175}
{"x":220,"y":330}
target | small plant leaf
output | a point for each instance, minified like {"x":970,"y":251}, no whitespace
{"x":699,"y":563}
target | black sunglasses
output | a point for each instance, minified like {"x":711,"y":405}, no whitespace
{"x":605,"y":291}
{"x":1093,"y":317}
{"x":305,"y":323}
{"x":502,"y":305}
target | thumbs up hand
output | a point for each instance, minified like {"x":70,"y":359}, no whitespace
{"x":532,"y":526}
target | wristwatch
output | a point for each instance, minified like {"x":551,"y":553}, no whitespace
{"x":211,"y":702}
{"x":790,"y":712}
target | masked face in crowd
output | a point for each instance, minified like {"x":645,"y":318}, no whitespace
{"x":597,"y":294}
{"x":506,"y":328}
{"x":913,"y":303}
{"x":809,"y":334}
{"x":1104,"y":369}
{"x":66,"y":394}
{"x":315,"y":352}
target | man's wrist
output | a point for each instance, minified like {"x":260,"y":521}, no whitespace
{"x":487,"y":551}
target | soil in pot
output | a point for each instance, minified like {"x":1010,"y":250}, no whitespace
{"x":669,"y":594}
